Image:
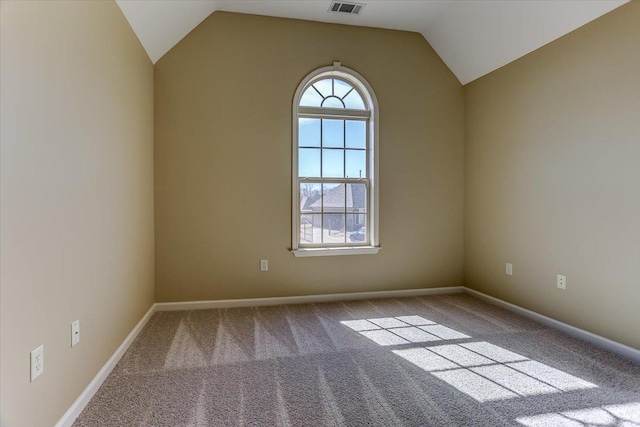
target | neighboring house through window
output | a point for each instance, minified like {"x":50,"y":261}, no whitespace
{"x":335,"y":164}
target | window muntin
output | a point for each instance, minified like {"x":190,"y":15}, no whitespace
{"x":334,"y":158}
{"x":332,"y":93}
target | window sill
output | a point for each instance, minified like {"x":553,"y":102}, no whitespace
{"x":352,"y":250}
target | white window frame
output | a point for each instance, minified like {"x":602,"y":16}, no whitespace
{"x":365,"y":90}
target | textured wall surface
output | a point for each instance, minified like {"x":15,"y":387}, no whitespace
{"x":77,"y":197}
{"x":223,"y":160}
{"x":552,"y":178}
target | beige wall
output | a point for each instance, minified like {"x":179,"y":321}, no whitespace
{"x":223,"y":160}
{"x":552,"y":178}
{"x":77,"y":197}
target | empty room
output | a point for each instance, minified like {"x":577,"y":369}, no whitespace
{"x":319,"y":213}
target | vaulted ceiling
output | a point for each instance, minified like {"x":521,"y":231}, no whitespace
{"x":473,"y":37}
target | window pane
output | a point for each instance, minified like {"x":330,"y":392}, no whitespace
{"x":332,"y":102}
{"x":357,"y":228}
{"x":310,"y":197}
{"x":310,"y":229}
{"x":324,"y":87}
{"x":356,"y":163}
{"x":309,"y":132}
{"x":333,"y":198}
{"x":309,"y":162}
{"x":356,"y":136}
{"x":354,"y":101}
{"x":333,"y":163}
{"x":332,"y":133}
{"x":356,"y":198}
{"x":310,"y":98}
{"x":333,"y":228}
{"x":340,"y":88}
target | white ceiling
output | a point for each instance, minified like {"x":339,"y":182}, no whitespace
{"x":473,"y":37}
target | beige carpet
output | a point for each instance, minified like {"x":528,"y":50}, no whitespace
{"x":448,"y":360}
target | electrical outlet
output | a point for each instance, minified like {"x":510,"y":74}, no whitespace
{"x":562,"y":281}
{"x":264,"y":265}
{"x":37,"y":362}
{"x":75,"y":333}
{"x":509,"y":269}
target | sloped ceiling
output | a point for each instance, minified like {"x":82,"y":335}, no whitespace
{"x":473,"y":37}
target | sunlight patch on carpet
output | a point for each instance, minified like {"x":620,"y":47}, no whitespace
{"x":622,"y":415}
{"x":474,"y":385}
{"x":483,"y":371}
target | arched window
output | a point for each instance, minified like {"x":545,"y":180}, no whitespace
{"x":335,"y":164}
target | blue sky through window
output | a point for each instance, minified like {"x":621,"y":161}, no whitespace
{"x":356,"y":131}
{"x":332,"y":133}
{"x":326,"y":139}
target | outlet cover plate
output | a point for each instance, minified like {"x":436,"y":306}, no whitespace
{"x":37,"y":362}
{"x":75,"y":333}
{"x":562,"y":281}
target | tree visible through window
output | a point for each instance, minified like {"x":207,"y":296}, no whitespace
{"x":334,"y":161}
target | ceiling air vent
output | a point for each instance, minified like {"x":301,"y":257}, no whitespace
{"x":346,"y":7}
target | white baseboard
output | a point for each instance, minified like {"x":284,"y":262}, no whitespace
{"x":81,"y":402}
{"x":305,"y":299}
{"x":597,"y":340}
